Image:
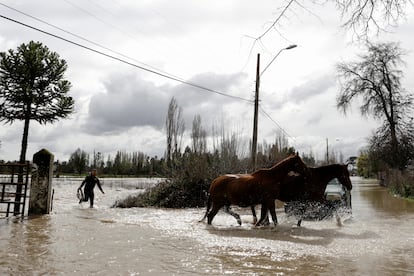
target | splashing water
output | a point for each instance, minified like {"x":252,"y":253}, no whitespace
{"x":376,"y":239}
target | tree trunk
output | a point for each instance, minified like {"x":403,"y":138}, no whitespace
{"x":20,"y":178}
{"x":24,"y":141}
{"x":395,"y":147}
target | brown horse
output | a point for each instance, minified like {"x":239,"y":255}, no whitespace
{"x":310,"y":189}
{"x":260,"y":187}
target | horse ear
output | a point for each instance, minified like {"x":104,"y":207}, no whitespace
{"x":346,"y":165}
{"x":297,"y":153}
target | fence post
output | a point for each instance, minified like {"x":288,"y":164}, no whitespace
{"x":41,"y":185}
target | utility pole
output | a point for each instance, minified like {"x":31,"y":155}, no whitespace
{"x":256,"y":114}
{"x":256,"y":102}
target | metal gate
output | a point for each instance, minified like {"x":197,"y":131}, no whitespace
{"x":14,"y":179}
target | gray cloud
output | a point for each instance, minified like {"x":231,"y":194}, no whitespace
{"x":311,"y":88}
{"x":208,"y":104}
{"x":303,"y":93}
{"x":224,"y":83}
{"x":129,"y":101}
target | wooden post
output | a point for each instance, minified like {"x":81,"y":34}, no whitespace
{"x":41,"y":185}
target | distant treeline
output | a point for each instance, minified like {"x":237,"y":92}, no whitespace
{"x":122,"y":164}
{"x":223,"y":160}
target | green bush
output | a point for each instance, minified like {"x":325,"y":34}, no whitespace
{"x":169,"y":194}
{"x":400,"y":183}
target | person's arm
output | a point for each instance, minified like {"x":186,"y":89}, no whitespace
{"x":99,"y":185}
{"x":83,"y":183}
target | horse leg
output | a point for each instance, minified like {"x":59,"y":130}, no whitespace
{"x":338,"y":219}
{"x":263,"y":214}
{"x":264,"y":218}
{"x":212,"y":213}
{"x":229,"y":211}
{"x":254,"y":214}
{"x":272,"y":209}
{"x":207,"y":209}
{"x":302,"y":214}
{"x":303,"y":207}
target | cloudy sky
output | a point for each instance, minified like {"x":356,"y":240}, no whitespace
{"x":208,"y":43}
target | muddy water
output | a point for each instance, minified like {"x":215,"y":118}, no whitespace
{"x":377,"y":239}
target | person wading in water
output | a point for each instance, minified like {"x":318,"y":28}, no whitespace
{"x":89,"y":183}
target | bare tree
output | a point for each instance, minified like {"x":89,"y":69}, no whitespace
{"x":228,"y":147}
{"x":175,"y":129}
{"x":365,"y":16}
{"x":97,"y":160}
{"x":376,"y":79}
{"x":79,"y":160}
{"x":198,"y":136}
{"x":362,"y":17}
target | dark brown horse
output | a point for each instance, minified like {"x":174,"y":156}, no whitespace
{"x":310,"y":189}
{"x":260,"y":187}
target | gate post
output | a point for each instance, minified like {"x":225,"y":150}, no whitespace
{"x":41,"y":185}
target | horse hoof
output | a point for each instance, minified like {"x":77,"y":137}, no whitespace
{"x":239,"y":222}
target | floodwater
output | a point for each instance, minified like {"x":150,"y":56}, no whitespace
{"x":377,"y":239}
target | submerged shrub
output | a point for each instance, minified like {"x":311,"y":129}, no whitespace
{"x":169,"y":194}
{"x":400,"y":183}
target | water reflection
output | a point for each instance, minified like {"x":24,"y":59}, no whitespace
{"x":381,"y":200}
{"x":29,"y":241}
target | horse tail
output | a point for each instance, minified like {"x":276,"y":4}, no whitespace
{"x":207,"y":209}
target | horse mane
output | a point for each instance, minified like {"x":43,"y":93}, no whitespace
{"x":283,"y":161}
{"x":277,"y":165}
{"x":327,"y":172}
{"x":328,"y":167}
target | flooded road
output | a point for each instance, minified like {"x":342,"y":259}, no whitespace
{"x":377,"y":240}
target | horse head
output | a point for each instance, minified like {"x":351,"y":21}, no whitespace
{"x":291,"y":163}
{"x":299,"y":166}
{"x":343,"y":176}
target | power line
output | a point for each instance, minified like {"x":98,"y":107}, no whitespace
{"x":278,"y":125}
{"x":127,"y":62}
{"x":128,"y":33}
{"x":159,"y":73}
{"x":87,"y":40}
{"x":99,"y":19}
{"x":119,"y":29}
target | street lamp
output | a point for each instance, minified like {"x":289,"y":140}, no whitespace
{"x":256,"y":101}
{"x":287,"y":48}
